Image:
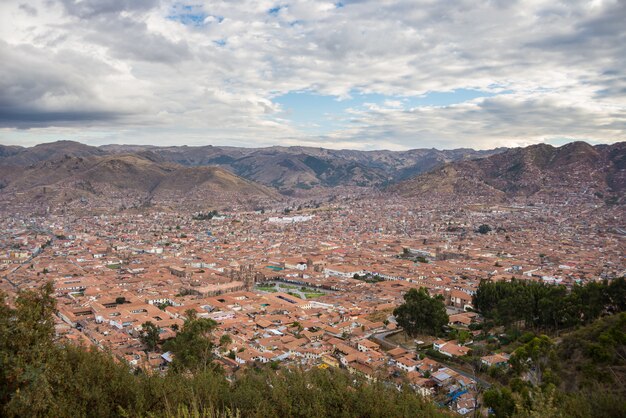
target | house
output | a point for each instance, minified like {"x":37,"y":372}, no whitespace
{"x":295,"y":264}
{"x":463,"y":319}
{"x":465,"y":404}
{"x":397,"y":352}
{"x":500,"y":360}
{"x":442,"y":377}
{"x":367,"y":345}
{"x":450,"y":348}
{"x":422,"y":385}
{"x":345,"y":271}
{"x":407,"y":363}
{"x":363,"y":369}
{"x":460,"y":299}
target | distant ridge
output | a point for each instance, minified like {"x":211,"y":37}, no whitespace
{"x":184,"y":174}
{"x":128,"y":181}
{"x":287,"y":169}
{"x":575,"y":169}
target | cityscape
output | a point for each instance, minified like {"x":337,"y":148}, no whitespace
{"x":263,"y":210}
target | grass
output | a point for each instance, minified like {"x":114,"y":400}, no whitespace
{"x":313,"y":295}
{"x":403,"y":339}
{"x":379,"y":316}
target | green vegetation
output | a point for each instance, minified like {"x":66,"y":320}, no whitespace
{"x":596,"y":354}
{"x":484,"y":229}
{"x":541,"y":306}
{"x":188,"y":292}
{"x":579,"y":375}
{"x":368,"y":278}
{"x":192,"y":347}
{"x":461,"y":335}
{"x":39,"y":377}
{"x":421,"y":314}
{"x":205,"y":216}
{"x":150,"y":335}
{"x":163,"y":305}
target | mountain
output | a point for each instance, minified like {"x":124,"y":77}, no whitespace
{"x":8,"y":151}
{"x":18,"y":156}
{"x":127,"y":181}
{"x":289,"y":168}
{"x":542,"y":171}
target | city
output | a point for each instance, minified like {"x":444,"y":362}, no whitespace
{"x":312,"y":288}
{"x":312,"y":209}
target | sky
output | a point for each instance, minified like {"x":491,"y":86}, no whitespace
{"x":356,"y":74}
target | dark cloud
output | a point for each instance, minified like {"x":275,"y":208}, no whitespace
{"x":22,"y":118}
{"x":130,"y":39}
{"x":85,"y":9}
{"x":36,"y":89}
{"x":28,"y":9}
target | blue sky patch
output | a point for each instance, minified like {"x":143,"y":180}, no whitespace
{"x":190,"y":14}
{"x":274,"y":10}
{"x":319,"y":114}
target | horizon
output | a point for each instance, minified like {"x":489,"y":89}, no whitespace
{"x":356,"y":75}
{"x":298,"y":146}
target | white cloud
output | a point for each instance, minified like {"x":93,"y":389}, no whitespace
{"x":132,"y":71}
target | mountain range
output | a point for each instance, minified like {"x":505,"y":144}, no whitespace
{"x":284,"y":168}
{"x":543,"y":171}
{"x":127,"y":181}
{"x":134,"y":176}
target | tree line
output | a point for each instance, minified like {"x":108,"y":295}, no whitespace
{"x":540,"y":306}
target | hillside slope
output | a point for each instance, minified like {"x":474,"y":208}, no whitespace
{"x":576,"y":170}
{"x":127,"y":181}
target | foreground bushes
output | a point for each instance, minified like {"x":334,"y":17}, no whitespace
{"x":40,"y":378}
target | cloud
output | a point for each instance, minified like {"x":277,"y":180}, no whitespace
{"x":87,"y":9}
{"x":34,"y":93}
{"x":208,"y":71}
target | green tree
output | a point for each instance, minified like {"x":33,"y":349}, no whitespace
{"x":26,"y":344}
{"x":150,"y":335}
{"x":484,"y":228}
{"x":225,"y":341}
{"x":533,"y":358}
{"x":501,"y":401}
{"x":193,"y":345}
{"x":421,"y":313}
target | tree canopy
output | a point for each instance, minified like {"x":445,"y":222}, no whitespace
{"x":421,"y":314}
{"x":150,"y":335}
{"x":548,"y":307}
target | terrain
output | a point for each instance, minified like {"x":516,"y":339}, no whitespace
{"x":286,"y":168}
{"x":140,"y":176}
{"x":126,"y":181}
{"x":576,"y":170}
